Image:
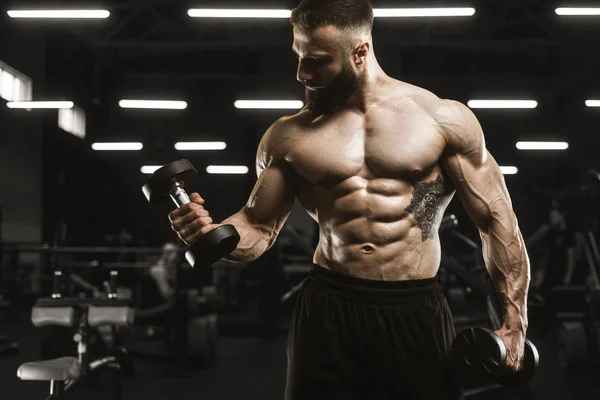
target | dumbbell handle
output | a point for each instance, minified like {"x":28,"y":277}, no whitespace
{"x":179,"y":195}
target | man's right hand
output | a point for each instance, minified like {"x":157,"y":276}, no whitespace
{"x":191,"y":220}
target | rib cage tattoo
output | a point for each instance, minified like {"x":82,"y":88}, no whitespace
{"x":425,"y":206}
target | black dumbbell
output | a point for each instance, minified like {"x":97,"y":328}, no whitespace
{"x":480,"y":352}
{"x":170,"y":182}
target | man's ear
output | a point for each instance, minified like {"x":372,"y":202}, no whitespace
{"x":361,"y":53}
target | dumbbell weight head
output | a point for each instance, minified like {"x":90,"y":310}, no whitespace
{"x":531,"y":360}
{"x":477,"y":353}
{"x":170,"y":181}
{"x":480,"y":352}
{"x":213,"y":246}
{"x":166,"y":180}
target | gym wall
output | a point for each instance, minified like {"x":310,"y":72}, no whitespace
{"x":21,"y":135}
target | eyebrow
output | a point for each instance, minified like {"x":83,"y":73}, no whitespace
{"x":314,"y":55}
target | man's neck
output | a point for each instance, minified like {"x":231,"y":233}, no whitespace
{"x":372,"y":80}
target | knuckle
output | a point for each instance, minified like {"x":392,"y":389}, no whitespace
{"x":188,"y":209}
{"x":199,"y":213}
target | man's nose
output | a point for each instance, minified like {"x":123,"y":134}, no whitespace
{"x":303,"y":74}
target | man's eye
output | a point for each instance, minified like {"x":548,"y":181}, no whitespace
{"x":318,"y":61}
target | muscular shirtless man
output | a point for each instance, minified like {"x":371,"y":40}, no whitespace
{"x":375,"y":162}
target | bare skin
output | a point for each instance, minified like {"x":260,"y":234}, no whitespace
{"x":377,"y":174}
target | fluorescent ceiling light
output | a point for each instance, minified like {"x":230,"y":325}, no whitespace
{"x":154,"y":104}
{"x":509,"y":170}
{"x":71,"y":14}
{"x":269,"y":104}
{"x":423,"y":12}
{"x":502,"y":104}
{"x":200,"y":146}
{"x":285,"y":14}
{"x":150,"y":169}
{"x":40,"y":104}
{"x":227,"y":169}
{"x":542,"y":145}
{"x":592,"y":103}
{"x":135,"y":146}
{"x":237,"y":13}
{"x":577,"y":11}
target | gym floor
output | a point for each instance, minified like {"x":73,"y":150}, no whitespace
{"x":255,"y":368}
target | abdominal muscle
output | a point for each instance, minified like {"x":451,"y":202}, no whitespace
{"x":368,"y":234}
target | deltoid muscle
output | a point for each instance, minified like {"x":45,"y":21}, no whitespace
{"x":425,"y":206}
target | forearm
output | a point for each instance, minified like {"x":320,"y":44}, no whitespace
{"x":255,"y":239}
{"x":507,"y":262}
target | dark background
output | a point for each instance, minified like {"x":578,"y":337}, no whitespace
{"x":151,"y":49}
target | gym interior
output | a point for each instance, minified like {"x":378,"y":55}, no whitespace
{"x":98,"y":299}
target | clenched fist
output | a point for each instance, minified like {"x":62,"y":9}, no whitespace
{"x":515,"y":348}
{"x":191,"y":220}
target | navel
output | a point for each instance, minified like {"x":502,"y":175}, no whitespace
{"x":367,"y":249}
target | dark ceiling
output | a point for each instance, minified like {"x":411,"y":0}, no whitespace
{"x":152,"y":49}
{"x":515,"y":49}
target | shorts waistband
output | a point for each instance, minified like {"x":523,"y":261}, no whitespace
{"x":376,"y":288}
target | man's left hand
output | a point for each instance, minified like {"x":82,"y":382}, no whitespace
{"x":514,"y":340}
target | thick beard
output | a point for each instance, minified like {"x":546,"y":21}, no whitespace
{"x":336,"y":94}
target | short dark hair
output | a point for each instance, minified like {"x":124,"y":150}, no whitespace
{"x":346,"y":15}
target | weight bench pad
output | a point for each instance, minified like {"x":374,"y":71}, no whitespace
{"x":53,"y":316}
{"x":120,"y":316}
{"x":58,"y":369}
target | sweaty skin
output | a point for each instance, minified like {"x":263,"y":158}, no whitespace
{"x":373,"y":182}
{"x":378,"y":183}
{"x":377,"y":174}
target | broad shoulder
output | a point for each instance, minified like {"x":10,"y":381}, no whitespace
{"x":460,"y":127}
{"x":403,"y":93}
{"x":443,"y":111}
{"x":278,"y":139}
{"x":455,"y":121}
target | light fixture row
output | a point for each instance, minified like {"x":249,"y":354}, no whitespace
{"x":267,"y":104}
{"x":284,"y":13}
{"x":220,"y":146}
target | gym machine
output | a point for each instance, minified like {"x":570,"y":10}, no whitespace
{"x":81,"y":376}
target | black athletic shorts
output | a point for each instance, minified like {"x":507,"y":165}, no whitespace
{"x":353,"y":338}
